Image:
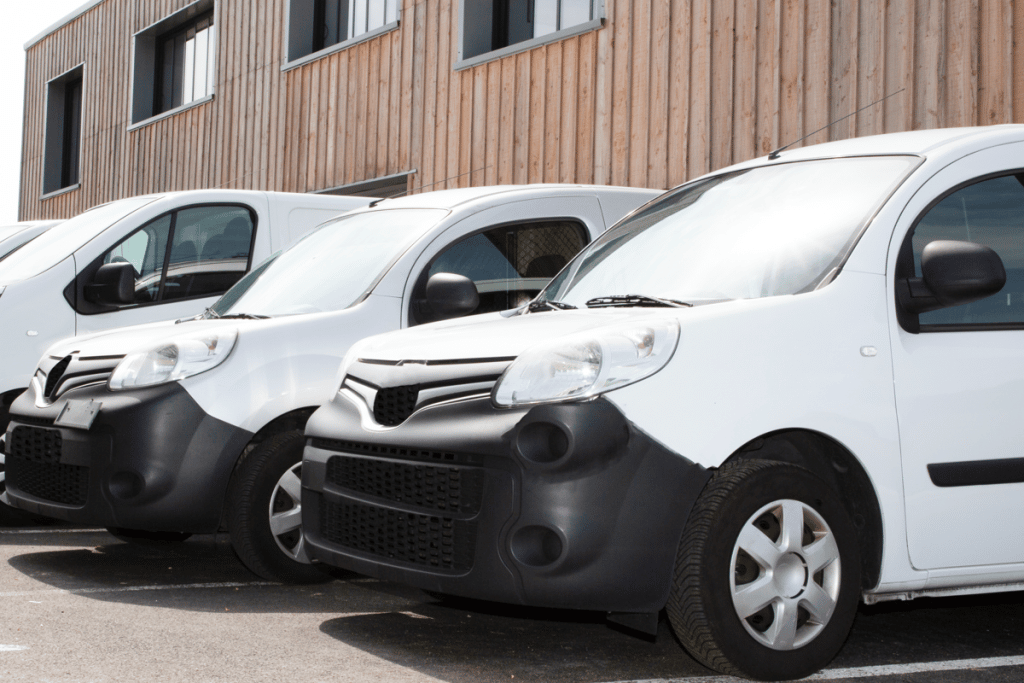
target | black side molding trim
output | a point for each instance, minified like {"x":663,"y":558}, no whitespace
{"x":978,"y":472}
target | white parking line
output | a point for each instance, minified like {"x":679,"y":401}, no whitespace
{"x":866,"y":671}
{"x":135,"y":589}
{"x":12,"y":648}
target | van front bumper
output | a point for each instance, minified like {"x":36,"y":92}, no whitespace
{"x":564,"y":506}
{"x":152,"y":460}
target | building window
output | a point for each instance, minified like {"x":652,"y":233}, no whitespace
{"x":316,"y":25}
{"x":174,"y":62}
{"x":489,"y":25}
{"x":184,"y":64}
{"x":63,"y":131}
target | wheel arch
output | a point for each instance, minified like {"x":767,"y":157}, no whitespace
{"x":295,"y":419}
{"x":7,"y":398}
{"x":837,"y":465}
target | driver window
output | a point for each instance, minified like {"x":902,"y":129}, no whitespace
{"x":990,"y":212}
{"x":511,"y":264}
{"x":144,"y":249}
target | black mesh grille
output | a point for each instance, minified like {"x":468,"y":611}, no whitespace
{"x":33,"y":467}
{"x":425,"y":540}
{"x":395,"y":404}
{"x":386,"y":451}
{"x":56,"y":372}
{"x":445,"y":489}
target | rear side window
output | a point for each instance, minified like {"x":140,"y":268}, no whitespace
{"x":195,"y":252}
{"x":509,"y":264}
{"x":989,"y":212}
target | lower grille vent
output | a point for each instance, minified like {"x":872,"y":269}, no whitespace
{"x":394,"y":405}
{"x":436,"y":542}
{"x":33,"y":467}
{"x":445,"y":489}
{"x":397,"y":452}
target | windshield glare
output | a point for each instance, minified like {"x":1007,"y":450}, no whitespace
{"x":62,"y":240}
{"x":332,"y":267}
{"x":761,"y":232}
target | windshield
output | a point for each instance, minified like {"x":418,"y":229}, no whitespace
{"x":13,"y":236}
{"x":60,"y":241}
{"x":761,"y":232}
{"x":330,"y":268}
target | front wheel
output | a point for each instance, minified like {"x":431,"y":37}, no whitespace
{"x":767,"y":576}
{"x":265,"y":511}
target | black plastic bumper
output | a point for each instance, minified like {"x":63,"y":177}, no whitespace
{"x":152,"y":460}
{"x":567,"y":506}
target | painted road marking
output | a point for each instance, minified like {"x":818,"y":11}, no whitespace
{"x":12,"y":648}
{"x":135,"y":589}
{"x":866,"y":671}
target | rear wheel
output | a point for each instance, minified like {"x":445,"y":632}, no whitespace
{"x":265,"y":511}
{"x":767,"y":575}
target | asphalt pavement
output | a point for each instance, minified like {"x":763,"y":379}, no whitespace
{"x":79,"y":605}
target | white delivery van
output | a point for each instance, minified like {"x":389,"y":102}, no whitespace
{"x":138,"y":260}
{"x":165,"y":430}
{"x":780,"y":389}
{"x":16,"y":235}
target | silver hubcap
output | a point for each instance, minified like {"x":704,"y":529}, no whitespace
{"x":3,"y":464}
{"x":785,"y":578}
{"x":286,"y":514}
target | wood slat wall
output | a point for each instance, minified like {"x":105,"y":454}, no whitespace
{"x":667,"y":90}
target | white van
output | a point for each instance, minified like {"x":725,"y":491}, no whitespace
{"x":16,"y":235}
{"x":780,"y":389}
{"x":165,"y":430}
{"x":138,"y":260}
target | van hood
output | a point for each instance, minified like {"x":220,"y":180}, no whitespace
{"x":121,"y":342}
{"x":495,"y":336}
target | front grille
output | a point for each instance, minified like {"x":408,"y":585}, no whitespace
{"x":430,"y":541}
{"x":54,"y":376}
{"x":34,"y":467}
{"x":444,"y":489}
{"x":394,"y":405}
{"x":397,"y":452}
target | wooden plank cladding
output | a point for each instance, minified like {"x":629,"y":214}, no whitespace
{"x":664,"y":91}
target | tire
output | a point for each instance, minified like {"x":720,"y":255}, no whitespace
{"x":140,"y":537}
{"x":786,"y":614}
{"x":264,"y":511}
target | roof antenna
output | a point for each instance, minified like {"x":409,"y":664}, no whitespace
{"x":775,"y":155}
{"x":423,"y":187}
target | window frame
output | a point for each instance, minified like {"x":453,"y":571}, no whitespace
{"x":598,"y":15}
{"x":299,"y":26}
{"x":75,"y":291}
{"x":145,"y":62}
{"x":56,"y":135}
{"x":419,"y":290}
{"x":910,"y":322}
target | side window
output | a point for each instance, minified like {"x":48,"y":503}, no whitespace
{"x":990,"y":212}
{"x":209,"y":252}
{"x":210,"y":248}
{"x":510,"y":264}
{"x":145,"y":249}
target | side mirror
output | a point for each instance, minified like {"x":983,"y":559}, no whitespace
{"x":953,"y":273}
{"x":451,"y":296}
{"x":113,"y":284}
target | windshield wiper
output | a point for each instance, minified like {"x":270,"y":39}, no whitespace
{"x":548,"y":305}
{"x":635,"y":300}
{"x":244,"y":316}
{"x":210,"y":313}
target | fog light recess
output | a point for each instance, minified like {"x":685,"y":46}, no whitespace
{"x":126,"y":485}
{"x":536,"y":546}
{"x":542,"y":442}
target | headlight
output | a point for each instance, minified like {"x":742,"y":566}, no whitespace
{"x":585,"y":365}
{"x":183,"y":357}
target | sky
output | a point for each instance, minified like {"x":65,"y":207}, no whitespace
{"x":21,"y":23}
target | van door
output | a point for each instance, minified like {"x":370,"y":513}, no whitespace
{"x":960,"y":379}
{"x":183,"y":261}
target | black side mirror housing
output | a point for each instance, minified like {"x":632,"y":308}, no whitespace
{"x":952,"y":273}
{"x":113,"y":284}
{"x":451,"y":296}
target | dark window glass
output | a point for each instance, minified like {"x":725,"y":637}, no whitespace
{"x":210,"y":248}
{"x":511,"y":264}
{"x":516,"y":21}
{"x":72,"y":133}
{"x":335,"y":21}
{"x":184,"y":60}
{"x":990,"y":212}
